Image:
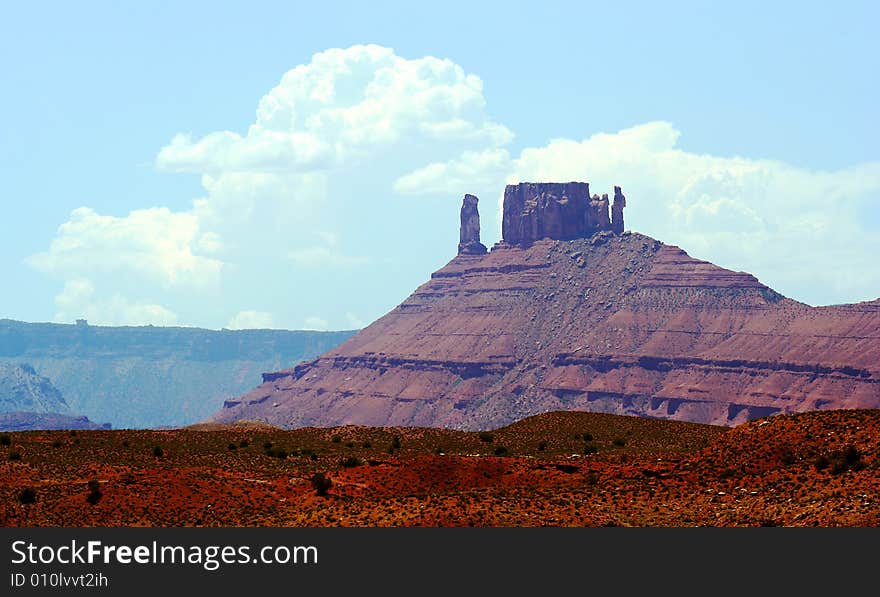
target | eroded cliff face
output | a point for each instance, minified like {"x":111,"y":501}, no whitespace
{"x":618,"y":323}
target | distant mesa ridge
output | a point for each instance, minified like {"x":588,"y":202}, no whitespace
{"x":571,"y":312}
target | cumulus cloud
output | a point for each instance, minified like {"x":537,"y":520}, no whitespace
{"x":79,"y":300}
{"x":472,"y":169}
{"x":155,"y":243}
{"x":250,"y":320}
{"x":340,"y":106}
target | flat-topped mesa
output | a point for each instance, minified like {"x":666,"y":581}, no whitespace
{"x":557,"y":210}
{"x":469,"y":233}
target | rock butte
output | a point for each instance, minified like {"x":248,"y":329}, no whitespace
{"x":569,"y":312}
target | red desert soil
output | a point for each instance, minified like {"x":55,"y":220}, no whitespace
{"x":561,"y":469}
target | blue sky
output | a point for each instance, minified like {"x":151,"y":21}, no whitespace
{"x":142,"y":185}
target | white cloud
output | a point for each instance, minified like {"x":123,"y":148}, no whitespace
{"x":79,"y":300}
{"x":472,"y":169}
{"x":154,"y":243}
{"x":250,"y":320}
{"x":341,"y":106}
{"x":315,"y":323}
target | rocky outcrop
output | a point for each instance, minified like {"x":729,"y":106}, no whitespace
{"x":22,"y":389}
{"x":618,"y":323}
{"x":533,"y":211}
{"x":617,"y":211}
{"x":28,"y":421}
{"x":469,"y":232}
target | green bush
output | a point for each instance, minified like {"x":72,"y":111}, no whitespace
{"x":367,"y":445}
{"x":14,"y":455}
{"x":56,"y":444}
{"x":336,"y":439}
{"x":232,"y":446}
{"x":588,"y":437}
{"x":485,"y":436}
{"x":244,"y":443}
{"x":619,"y":442}
{"x":5,"y":440}
{"x":542,"y":446}
{"x":590,"y":449}
{"x":158,"y":452}
{"x":501,"y":451}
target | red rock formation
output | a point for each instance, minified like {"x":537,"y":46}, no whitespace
{"x":533,"y":211}
{"x":469,"y":233}
{"x":617,"y":211}
{"x":612,"y":323}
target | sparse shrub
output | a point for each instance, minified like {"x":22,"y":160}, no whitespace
{"x":56,"y":444}
{"x":542,"y":446}
{"x":566,"y":468}
{"x":395,"y":444}
{"x":592,"y":478}
{"x":351,"y":462}
{"x":726,"y":473}
{"x":590,"y":449}
{"x":321,"y":483}
{"x":72,"y":433}
{"x":267,"y":445}
{"x":279,"y":453}
{"x":313,"y":456}
{"x":851,"y":455}
{"x":619,"y":442}
{"x":125,"y":443}
{"x":821,"y":462}
{"x":501,"y":451}
{"x":843,"y":460}
{"x":485,"y":436}
{"x":94,"y":492}
{"x":14,"y":455}
{"x":158,"y":452}
{"x":788,"y":458}
{"x":5,"y":440}
{"x":588,"y":437}
{"x":367,"y":445}
{"x":349,"y":444}
{"x":336,"y":439}
{"x":244,"y":443}
{"x":232,"y":446}
{"x":28,"y":495}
